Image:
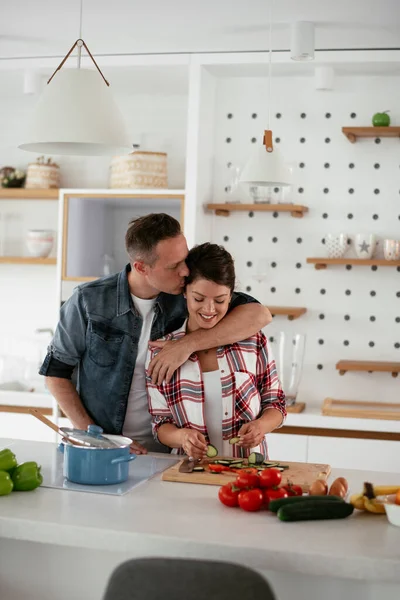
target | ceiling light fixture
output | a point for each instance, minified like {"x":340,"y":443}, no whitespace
{"x":324,"y":78}
{"x":76,"y":114}
{"x":302,"y":41}
{"x":265,"y":167}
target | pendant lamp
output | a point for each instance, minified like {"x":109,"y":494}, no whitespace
{"x":265,"y":168}
{"x":76,"y":114}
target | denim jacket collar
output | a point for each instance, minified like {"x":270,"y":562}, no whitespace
{"x":124,"y":300}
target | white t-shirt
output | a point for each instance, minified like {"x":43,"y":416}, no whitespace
{"x":137,"y":423}
{"x":213,"y":408}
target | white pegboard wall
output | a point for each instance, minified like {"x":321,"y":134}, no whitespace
{"x":351,"y":188}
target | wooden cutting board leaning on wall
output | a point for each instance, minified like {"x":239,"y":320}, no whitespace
{"x":298,"y":473}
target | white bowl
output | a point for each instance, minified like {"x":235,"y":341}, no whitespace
{"x":39,"y":248}
{"x":393,"y":513}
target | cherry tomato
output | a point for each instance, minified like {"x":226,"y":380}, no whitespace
{"x":293,"y":490}
{"x":273,"y":494}
{"x":218,"y":468}
{"x":229,"y":495}
{"x":251,"y":500}
{"x":270,"y":478}
{"x":247,"y":480}
{"x":251,"y":470}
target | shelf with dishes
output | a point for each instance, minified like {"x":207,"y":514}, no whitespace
{"x":352,"y":133}
{"x":323,"y":263}
{"x":369,"y":366}
{"x":291,"y":312}
{"x":225,"y":209}
{"x":29,"y":194}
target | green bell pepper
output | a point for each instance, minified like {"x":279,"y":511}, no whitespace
{"x":6,"y":484}
{"x":7,"y":460}
{"x":27,"y":477}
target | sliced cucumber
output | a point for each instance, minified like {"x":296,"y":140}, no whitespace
{"x":234,"y":440}
{"x":236,"y":463}
{"x":211,"y":451}
{"x":224,"y":462}
{"x":255,"y":458}
{"x":198,"y":469}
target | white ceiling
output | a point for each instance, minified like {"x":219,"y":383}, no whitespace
{"x":31,"y":28}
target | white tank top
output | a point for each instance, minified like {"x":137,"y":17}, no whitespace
{"x":213,"y":408}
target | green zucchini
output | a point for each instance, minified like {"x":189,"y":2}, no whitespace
{"x":255,"y":458}
{"x":211,"y":451}
{"x":308,"y":511}
{"x":234,"y":440}
{"x":275,"y":505}
{"x":198,"y":469}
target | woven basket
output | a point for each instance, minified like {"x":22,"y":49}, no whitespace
{"x":42,"y":176}
{"x":139,"y":170}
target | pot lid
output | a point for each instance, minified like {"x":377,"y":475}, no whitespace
{"x":91,"y":438}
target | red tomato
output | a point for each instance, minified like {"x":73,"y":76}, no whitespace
{"x":247,"y":480}
{"x":273,"y":494}
{"x":229,"y":496}
{"x":251,"y":470}
{"x":251,"y":500}
{"x":293,"y":490}
{"x":218,"y":468}
{"x":270,"y":478}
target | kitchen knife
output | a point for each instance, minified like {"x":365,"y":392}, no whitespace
{"x":187,"y":466}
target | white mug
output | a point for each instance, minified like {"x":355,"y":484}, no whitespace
{"x":336,"y":244}
{"x":391,"y":249}
{"x":365,"y":244}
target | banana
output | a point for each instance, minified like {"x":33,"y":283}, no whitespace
{"x":385,"y":490}
{"x":374,"y":506}
{"x":357,"y":500}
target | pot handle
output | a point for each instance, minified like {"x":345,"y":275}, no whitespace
{"x":123,"y":459}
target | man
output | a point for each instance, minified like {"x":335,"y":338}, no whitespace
{"x":106,"y":325}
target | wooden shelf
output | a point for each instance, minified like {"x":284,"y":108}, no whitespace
{"x":30,"y":194}
{"x":352,"y":133}
{"x":27,"y":260}
{"x":370,"y":366}
{"x":291,"y":312}
{"x":322,"y":263}
{"x":358,"y":409}
{"x":224,"y":210}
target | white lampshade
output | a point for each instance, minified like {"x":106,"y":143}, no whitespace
{"x":324,"y":77}
{"x":302,"y":41}
{"x":76,"y":114}
{"x":265,"y":169}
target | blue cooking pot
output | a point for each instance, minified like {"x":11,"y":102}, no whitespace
{"x":97,"y":465}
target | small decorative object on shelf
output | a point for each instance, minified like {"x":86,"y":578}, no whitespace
{"x":381,"y":119}
{"x":365,"y":244}
{"x":336,"y":244}
{"x":39,"y":242}
{"x":139,"y":170}
{"x":12,"y":178}
{"x":43,"y":174}
{"x":391,"y":249}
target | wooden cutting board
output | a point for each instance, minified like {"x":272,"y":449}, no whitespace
{"x":299,"y":473}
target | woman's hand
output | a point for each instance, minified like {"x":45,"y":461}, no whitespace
{"x":251,"y":434}
{"x":136,"y":448}
{"x":194,"y":443}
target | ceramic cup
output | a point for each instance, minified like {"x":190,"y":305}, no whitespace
{"x":364,"y":245}
{"x":391,"y":249}
{"x":336,"y":244}
{"x":39,"y":242}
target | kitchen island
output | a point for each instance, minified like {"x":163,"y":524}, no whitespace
{"x":59,"y":544}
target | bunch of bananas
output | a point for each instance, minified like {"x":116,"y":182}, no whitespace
{"x":368,"y":499}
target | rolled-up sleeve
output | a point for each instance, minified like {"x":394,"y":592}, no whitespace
{"x":269,"y":386}
{"x":158,"y":404}
{"x":69,"y":342}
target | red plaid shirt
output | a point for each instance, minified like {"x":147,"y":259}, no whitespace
{"x":249,"y":384}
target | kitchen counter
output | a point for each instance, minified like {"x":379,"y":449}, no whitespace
{"x":170,"y":519}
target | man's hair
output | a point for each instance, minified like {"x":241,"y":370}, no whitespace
{"x":144,"y":233}
{"x":212,"y":262}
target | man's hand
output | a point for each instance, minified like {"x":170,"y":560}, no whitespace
{"x":194,"y":443}
{"x":136,"y":448}
{"x":171,"y":356}
{"x":251,"y":434}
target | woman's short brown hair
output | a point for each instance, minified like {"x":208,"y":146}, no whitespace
{"x":212,"y":262}
{"x":144,"y":233}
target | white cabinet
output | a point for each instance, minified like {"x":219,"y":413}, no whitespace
{"x":348,"y":453}
{"x":282,"y":446}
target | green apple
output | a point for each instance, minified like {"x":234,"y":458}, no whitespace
{"x":381,"y":119}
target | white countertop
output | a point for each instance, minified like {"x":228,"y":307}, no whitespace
{"x":170,"y":519}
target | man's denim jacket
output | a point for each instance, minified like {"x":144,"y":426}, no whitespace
{"x":99,"y":331}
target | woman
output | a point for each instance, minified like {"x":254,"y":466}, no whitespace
{"x":222,"y":393}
